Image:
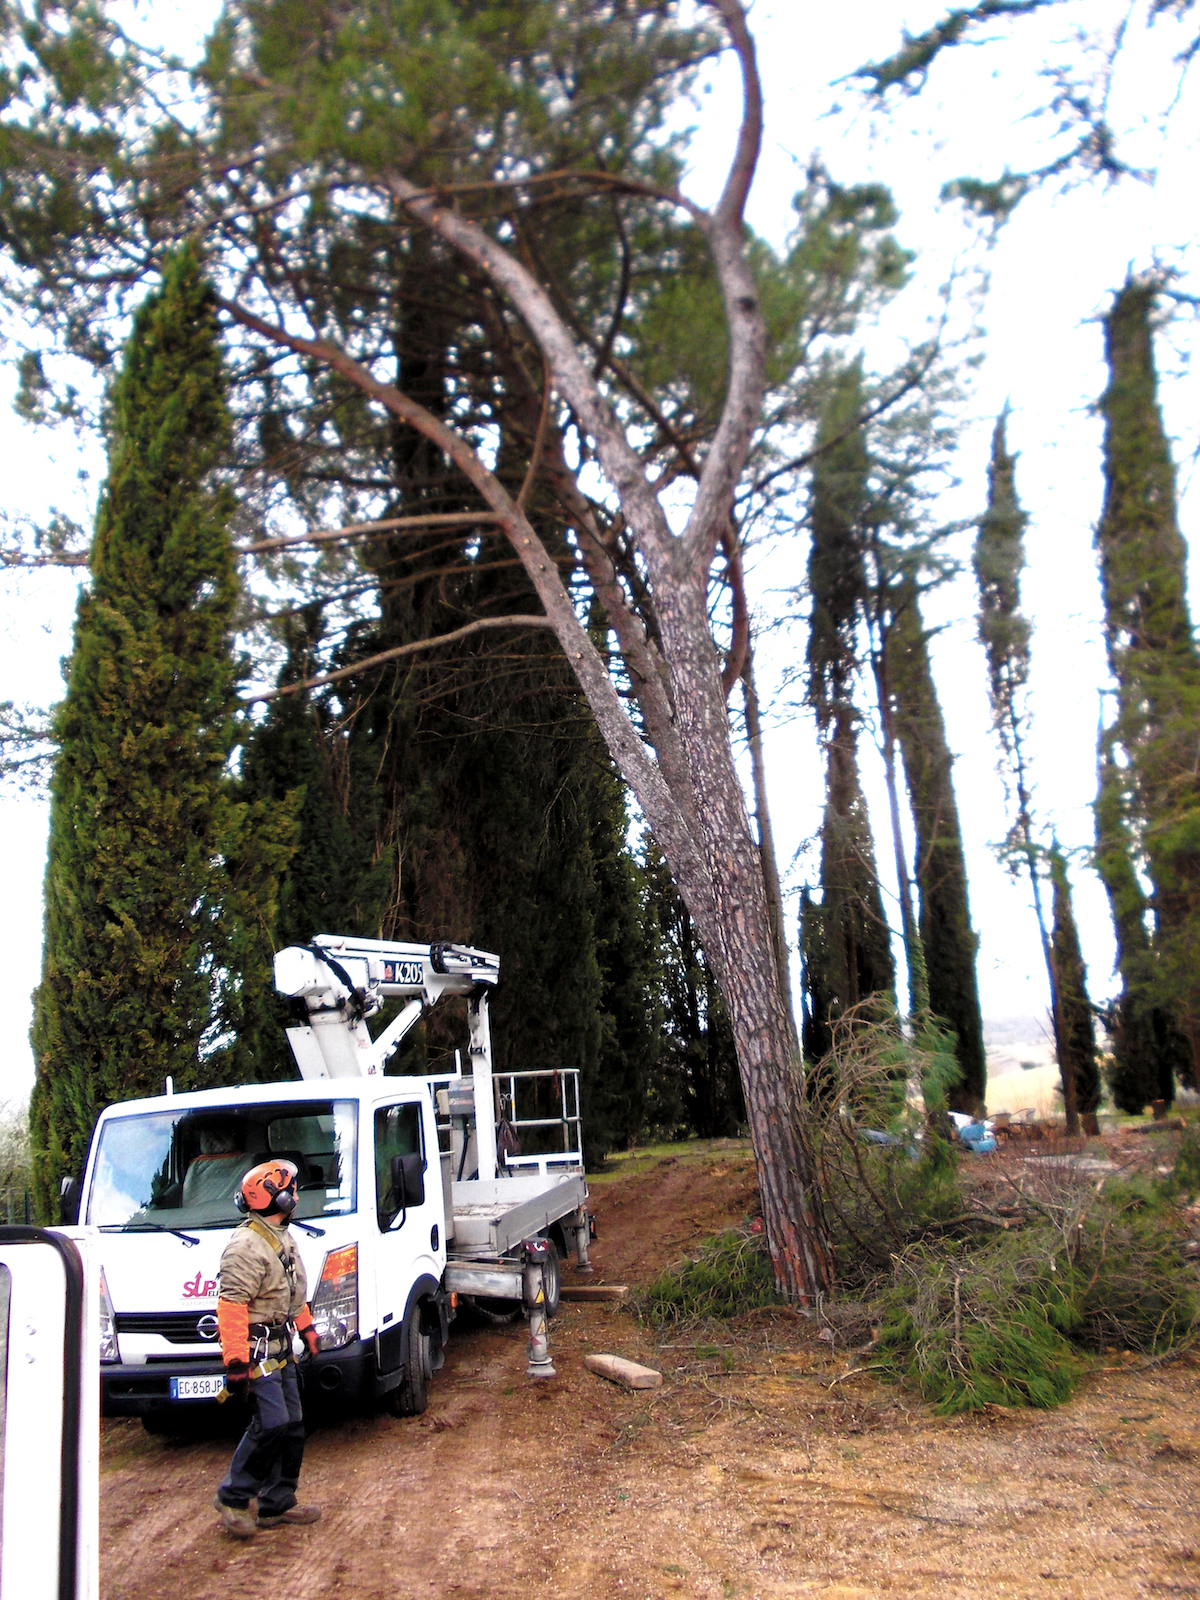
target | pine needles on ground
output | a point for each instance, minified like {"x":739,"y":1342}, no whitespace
{"x":730,"y":1275}
{"x":974,"y":1307}
{"x":970,"y":1328}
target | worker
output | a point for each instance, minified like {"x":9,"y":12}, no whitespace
{"x":261,"y":1301}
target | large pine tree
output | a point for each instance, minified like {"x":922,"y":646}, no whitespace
{"x":160,"y":883}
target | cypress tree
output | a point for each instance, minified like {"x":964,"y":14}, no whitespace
{"x":697,"y":1087}
{"x":845,"y":941}
{"x":1004,"y":632}
{"x":1075,"y":1029}
{"x":1152,"y":655}
{"x":1148,"y":1050}
{"x":947,"y":938}
{"x":160,"y":884}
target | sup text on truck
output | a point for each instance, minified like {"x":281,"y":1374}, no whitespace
{"x":413,"y":1192}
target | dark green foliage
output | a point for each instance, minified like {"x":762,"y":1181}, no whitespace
{"x":1004,"y":632}
{"x":1152,"y":800}
{"x":696,"y":1087}
{"x":161,"y":882}
{"x":945,"y":921}
{"x":838,"y":515}
{"x":730,"y":1275}
{"x":845,"y":940}
{"x":1148,"y":1049}
{"x":628,"y":957}
{"x":1075,"y":1029}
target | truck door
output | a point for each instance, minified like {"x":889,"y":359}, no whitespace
{"x":411,"y":1237}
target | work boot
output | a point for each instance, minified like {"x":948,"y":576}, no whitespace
{"x":237,"y":1521}
{"x":294,"y":1514}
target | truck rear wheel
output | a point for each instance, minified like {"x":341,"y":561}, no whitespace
{"x":552,"y":1277}
{"x":411,"y":1395}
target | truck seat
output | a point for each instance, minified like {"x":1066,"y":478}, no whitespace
{"x":214,"y":1177}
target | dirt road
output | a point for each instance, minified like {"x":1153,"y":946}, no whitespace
{"x":758,"y":1470}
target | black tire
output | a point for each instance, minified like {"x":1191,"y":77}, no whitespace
{"x":500,"y":1313}
{"x":552,"y":1278}
{"x":497,"y":1313}
{"x":411,"y":1395}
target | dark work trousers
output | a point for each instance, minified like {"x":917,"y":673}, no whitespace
{"x":266,"y":1463}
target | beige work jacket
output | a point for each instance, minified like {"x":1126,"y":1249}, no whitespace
{"x":252,"y":1273}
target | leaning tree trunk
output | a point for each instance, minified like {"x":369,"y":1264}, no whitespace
{"x":730,"y":909}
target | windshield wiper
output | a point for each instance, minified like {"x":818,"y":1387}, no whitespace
{"x":143,"y":1227}
{"x":317,"y":1233}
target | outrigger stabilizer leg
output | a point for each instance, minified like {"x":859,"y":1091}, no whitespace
{"x":540,"y":1365}
{"x":583,"y":1235}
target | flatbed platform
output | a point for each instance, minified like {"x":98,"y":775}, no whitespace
{"x":493,"y":1216}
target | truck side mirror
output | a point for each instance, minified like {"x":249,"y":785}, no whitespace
{"x":68,"y":1195}
{"x":408,"y":1181}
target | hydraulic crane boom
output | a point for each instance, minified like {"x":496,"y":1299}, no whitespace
{"x":343,"y":981}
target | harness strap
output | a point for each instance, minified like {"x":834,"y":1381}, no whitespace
{"x":285,"y":1261}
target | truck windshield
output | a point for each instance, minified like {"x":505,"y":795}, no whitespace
{"x":168,"y":1169}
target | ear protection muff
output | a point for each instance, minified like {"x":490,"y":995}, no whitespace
{"x":271,"y":1186}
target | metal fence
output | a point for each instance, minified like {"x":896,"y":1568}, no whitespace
{"x":16,"y":1206}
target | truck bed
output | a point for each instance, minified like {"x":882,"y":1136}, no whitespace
{"x":493,"y":1216}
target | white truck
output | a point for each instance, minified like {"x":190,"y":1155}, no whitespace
{"x":412,"y":1192}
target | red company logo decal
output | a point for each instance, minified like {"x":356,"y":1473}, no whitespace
{"x":198,"y":1289}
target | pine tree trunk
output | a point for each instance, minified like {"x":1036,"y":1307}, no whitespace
{"x":728,"y":904}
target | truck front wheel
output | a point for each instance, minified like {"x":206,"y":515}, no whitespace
{"x":411,"y":1395}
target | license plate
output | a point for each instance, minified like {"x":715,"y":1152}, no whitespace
{"x":203,"y":1388}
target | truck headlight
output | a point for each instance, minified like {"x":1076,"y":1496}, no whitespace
{"x":109,"y":1350}
{"x":334,"y":1306}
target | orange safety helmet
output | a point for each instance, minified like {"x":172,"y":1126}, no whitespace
{"x":271,"y":1186}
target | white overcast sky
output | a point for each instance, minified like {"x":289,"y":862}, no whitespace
{"x":1051,"y":274}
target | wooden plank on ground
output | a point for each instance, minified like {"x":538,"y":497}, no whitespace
{"x":593,"y":1291}
{"x":627,"y":1373}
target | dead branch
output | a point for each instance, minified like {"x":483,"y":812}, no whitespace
{"x":481,"y":625}
{"x":358,"y":530}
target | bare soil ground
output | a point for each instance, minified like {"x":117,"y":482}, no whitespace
{"x":760,"y":1469}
